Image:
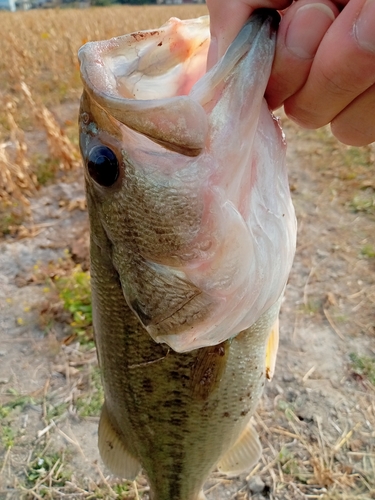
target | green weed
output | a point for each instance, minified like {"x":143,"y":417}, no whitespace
{"x":282,"y":405}
{"x":55,"y":411}
{"x":4,"y":411}
{"x":368,"y":251}
{"x":8,"y":435}
{"x":349,"y":158}
{"x":363,"y":203}
{"x":46,"y":169}
{"x":90,"y":404}
{"x":75,"y":292}
{"x":121,"y":489}
{"x":52,"y":467}
{"x":363,"y":366}
{"x":11,"y":215}
{"x":287,"y":461}
{"x":312,"y":306}
{"x":357,"y":156}
{"x":18,"y":401}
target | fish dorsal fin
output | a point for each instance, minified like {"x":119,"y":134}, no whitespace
{"x":271,"y":351}
{"x":245,"y":453}
{"x":113,"y":451}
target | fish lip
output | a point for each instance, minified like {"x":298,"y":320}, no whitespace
{"x":105,"y":64}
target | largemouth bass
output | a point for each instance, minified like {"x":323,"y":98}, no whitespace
{"x":192,"y":240}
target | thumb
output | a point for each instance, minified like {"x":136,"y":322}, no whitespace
{"x":226,"y":19}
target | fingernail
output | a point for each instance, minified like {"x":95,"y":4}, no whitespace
{"x":307,"y":28}
{"x":364,"y":27}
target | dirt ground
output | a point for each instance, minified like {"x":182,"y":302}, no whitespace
{"x":317,"y":417}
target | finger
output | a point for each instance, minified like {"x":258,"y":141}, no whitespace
{"x":227,"y":18}
{"x":343,"y":68}
{"x":301,"y":30}
{"x":355,"y":125}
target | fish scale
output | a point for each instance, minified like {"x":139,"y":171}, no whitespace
{"x":168,"y":232}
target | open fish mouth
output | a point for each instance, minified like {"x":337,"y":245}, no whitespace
{"x":199,"y":220}
{"x":141,"y":77}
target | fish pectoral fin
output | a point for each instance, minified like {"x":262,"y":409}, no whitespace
{"x":201,"y":496}
{"x":245,"y":453}
{"x":113,"y":451}
{"x":271,"y":351}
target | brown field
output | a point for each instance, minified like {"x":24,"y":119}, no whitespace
{"x":317,"y":417}
{"x":39,"y":53}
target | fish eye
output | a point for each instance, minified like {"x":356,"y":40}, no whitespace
{"x":103,"y":165}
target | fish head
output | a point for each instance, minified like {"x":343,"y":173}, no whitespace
{"x":186,"y":179}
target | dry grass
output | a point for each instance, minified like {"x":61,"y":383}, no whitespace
{"x":59,"y":144}
{"x":309,"y":460}
{"x":39,"y":70}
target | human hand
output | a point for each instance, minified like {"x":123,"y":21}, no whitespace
{"x":324,"y":67}
{"x":227,"y":18}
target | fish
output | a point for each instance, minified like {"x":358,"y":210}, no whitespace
{"x":192,"y":236}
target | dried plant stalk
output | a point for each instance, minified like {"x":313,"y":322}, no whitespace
{"x":59,"y":144}
{"x":24,"y":178}
{"x":14,"y":205}
{"x":16,"y":180}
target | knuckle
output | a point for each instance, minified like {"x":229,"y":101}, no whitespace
{"x":306,"y":117}
{"x":341,"y":83}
